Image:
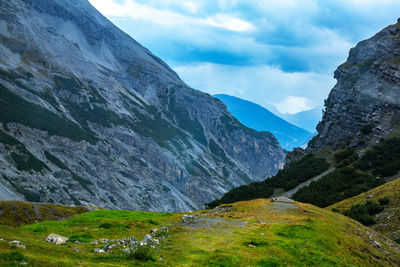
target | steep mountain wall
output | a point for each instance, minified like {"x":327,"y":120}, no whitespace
{"x":364,"y":105}
{"x":90,"y":116}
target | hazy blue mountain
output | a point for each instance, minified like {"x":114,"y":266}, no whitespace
{"x":261,"y":119}
{"x":307,"y":120}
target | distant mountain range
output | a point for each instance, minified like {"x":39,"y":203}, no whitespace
{"x":307,"y":120}
{"x":261,"y":119}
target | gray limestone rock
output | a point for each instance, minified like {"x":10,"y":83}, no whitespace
{"x":364,"y":105}
{"x":94,"y":118}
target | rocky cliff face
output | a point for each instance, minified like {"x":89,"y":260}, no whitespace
{"x":89,"y":116}
{"x":364,"y":105}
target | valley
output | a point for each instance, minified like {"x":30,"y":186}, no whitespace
{"x":108,"y":158}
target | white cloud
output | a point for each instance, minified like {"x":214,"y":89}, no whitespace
{"x":293,"y":104}
{"x":191,"y":6}
{"x":289,"y":92}
{"x":280,"y":52}
{"x":230,"y":23}
{"x":133,"y":10}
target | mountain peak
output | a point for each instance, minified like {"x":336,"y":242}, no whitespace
{"x":89,"y":116}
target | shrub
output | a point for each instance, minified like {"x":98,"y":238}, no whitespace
{"x":383,"y":159}
{"x":295,"y":174}
{"x":105,"y":225}
{"x":154,"y":222}
{"x":142,"y":253}
{"x":12,"y":256}
{"x":363,"y":212}
{"x":245,"y":192}
{"x":298,"y":172}
{"x":367,"y":129}
{"x":336,"y":186}
{"x":81,"y":238}
{"x":384,"y":201}
{"x":345,"y":157}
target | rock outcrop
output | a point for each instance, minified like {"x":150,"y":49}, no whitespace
{"x":89,"y":116}
{"x":364,"y":105}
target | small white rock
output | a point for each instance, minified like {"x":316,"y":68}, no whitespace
{"x":99,"y":250}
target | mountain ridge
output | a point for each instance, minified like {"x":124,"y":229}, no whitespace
{"x":92,"y":117}
{"x":261,"y":119}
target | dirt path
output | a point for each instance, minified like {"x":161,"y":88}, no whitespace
{"x":290,"y":193}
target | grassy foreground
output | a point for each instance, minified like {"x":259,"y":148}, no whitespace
{"x":252,"y":233}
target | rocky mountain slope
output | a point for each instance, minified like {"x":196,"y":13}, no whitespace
{"x":364,"y":105}
{"x":251,"y":233}
{"x":89,"y":116}
{"x":261,"y":119}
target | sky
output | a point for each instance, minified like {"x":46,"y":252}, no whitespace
{"x":271,"y":52}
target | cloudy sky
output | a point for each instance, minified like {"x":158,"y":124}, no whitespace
{"x":280,"y":52}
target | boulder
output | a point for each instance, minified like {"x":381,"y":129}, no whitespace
{"x":56,"y":239}
{"x":282,"y":200}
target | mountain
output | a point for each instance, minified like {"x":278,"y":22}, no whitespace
{"x":261,"y":119}
{"x":358,"y":140}
{"x":89,"y":116}
{"x":251,"y":233}
{"x":307,"y":120}
{"x":364,"y":105}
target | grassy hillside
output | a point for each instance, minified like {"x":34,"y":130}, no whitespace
{"x":18,"y":212}
{"x":252,"y":233}
{"x":387,"y":222}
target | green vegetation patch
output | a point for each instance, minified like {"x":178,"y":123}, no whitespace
{"x":382,"y":159}
{"x":80,"y":238}
{"x":104,"y":223}
{"x":23,"y":159}
{"x":295,"y":174}
{"x":55,"y":160}
{"x":244,"y":192}
{"x":354,"y":175}
{"x":345,"y":157}
{"x":13,"y":258}
{"x":14,"y":108}
{"x":364,"y":212}
{"x":298,"y":172}
{"x":338,"y":185}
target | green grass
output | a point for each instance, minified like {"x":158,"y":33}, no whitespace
{"x":109,"y":221}
{"x":253,"y":233}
